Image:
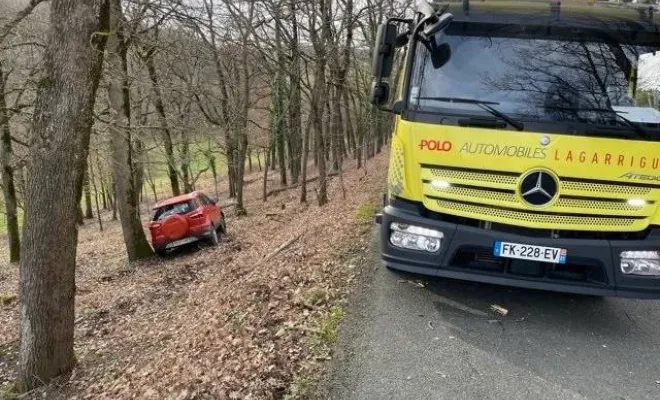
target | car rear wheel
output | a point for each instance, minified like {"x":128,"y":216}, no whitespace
{"x":214,"y":239}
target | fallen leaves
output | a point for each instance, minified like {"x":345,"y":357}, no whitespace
{"x":418,"y":284}
{"x":226,"y":322}
{"x":499,"y":310}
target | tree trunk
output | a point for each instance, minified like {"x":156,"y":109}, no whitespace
{"x":320,"y":151}
{"x":80,"y":217}
{"x":96,"y":196}
{"x":303,"y":166}
{"x":89,"y":213}
{"x":378,"y":129}
{"x":319,"y":101}
{"x":214,"y":171}
{"x":102,"y":183}
{"x":294,"y":106}
{"x":278,"y":123}
{"x":242,"y":139}
{"x":350,"y":131}
{"x":138,"y":165}
{"x":60,"y":133}
{"x":112,"y":197}
{"x":265,"y":183}
{"x":359,"y":132}
{"x":231,"y":164}
{"x":167,"y":135}
{"x":185,"y":164}
{"x":240,"y":169}
{"x":7,"y":171}
{"x":273,"y":158}
{"x":135,"y":241}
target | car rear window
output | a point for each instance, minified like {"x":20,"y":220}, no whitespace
{"x":172,"y":209}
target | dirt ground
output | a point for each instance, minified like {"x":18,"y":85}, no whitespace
{"x":213,"y":322}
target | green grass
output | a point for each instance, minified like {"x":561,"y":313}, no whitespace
{"x":328,"y":329}
{"x":316,"y":296}
{"x":364,"y":215}
{"x":198,"y":162}
{"x":304,"y":384}
{"x":301,"y":388}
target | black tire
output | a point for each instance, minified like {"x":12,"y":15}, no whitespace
{"x":161,"y":252}
{"x":214,"y":239}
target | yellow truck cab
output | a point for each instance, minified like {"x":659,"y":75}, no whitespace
{"x":526,"y":144}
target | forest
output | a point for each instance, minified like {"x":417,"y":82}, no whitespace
{"x":108,"y":106}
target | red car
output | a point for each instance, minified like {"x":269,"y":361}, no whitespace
{"x":186,"y":219}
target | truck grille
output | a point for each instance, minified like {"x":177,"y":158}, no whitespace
{"x":582,"y":204}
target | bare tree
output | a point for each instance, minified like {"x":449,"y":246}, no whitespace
{"x":123,"y":167}
{"x":7,"y":172}
{"x":6,"y":152}
{"x":59,"y":143}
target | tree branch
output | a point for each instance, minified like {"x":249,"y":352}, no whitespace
{"x":6,"y":30}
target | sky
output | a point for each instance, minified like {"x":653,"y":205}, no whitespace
{"x":649,"y":71}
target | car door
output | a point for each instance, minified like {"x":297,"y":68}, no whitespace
{"x":210,"y":209}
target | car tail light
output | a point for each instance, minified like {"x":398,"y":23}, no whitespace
{"x":155,"y":228}
{"x":197,"y":215}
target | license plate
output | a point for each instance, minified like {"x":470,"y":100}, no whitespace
{"x":181,"y":242}
{"x":530,"y":252}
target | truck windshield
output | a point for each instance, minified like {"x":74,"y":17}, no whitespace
{"x":560,"y":84}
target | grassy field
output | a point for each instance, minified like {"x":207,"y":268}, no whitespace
{"x":158,"y":173}
{"x":198,"y":162}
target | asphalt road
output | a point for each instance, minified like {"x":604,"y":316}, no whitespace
{"x":440,"y":341}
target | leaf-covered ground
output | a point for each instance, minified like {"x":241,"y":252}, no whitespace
{"x":211,"y":322}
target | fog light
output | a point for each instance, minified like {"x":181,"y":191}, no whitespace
{"x":646,"y":263}
{"x":637,"y":203}
{"x":440,"y":185}
{"x":415,"y":237}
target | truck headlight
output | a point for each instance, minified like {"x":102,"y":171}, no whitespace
{"x":415,"y":237}
{"x":645,"y":263}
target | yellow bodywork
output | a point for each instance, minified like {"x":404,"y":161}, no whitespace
{"x":604,"y":184}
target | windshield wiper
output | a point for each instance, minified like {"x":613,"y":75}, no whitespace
{"x":484,"y":105}
{"x":636,"y":127}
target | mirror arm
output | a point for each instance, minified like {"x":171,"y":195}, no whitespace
{"x":396,"y":109}
{"x":400,"y":20}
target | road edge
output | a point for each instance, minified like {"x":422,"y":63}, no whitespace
{"x":336,"y":378}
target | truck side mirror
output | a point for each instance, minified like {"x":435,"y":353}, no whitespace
{"x":380,"y":93}
{"x":383,"y":57}
{"x":383,"y":62}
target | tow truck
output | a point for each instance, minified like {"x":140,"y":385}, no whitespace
{"x":526,"y":147}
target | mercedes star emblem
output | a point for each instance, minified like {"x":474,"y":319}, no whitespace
{"x":538,"y":188}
